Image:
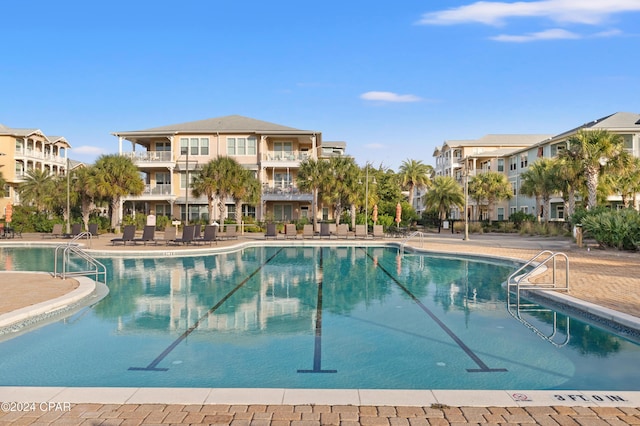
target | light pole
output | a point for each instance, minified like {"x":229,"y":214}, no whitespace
{"x":466,"y":203}
{"x":366,"y":196}
{"x":68,"y":199}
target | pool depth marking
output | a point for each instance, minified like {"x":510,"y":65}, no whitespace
{"x":317,"y":348}
{"x":153,"y":365}
{"x":483,"y":367}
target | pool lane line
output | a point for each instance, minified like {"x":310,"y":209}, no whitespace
{"x":153,"y":365}
{"x":317,"y":346}
{"x":483,"y":367}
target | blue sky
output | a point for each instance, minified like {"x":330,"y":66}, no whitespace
{"x":392,"y":80}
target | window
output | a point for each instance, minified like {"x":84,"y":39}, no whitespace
{"x":196,"y":212}
{"x":513,"y":163}
{"x":500,"y":213}
{"x":163,"y":210}
{"x":524,"y":161}
{"x":282,"y":180}
{"x":241,"y":146}
{"x":560,"y":212}
{"x":163,"y":146}
{"x":7,"y":192}
{"x":248,"y":210}
{"x":501,"y":164}
{"x":196,"y":146}
{"x":325,"y":213}
{"x":283,"y":150}
{"x":524,"y":209}
{"x":183,"y":179}
{"x":282,"y":212}
{"x":557,"y":149}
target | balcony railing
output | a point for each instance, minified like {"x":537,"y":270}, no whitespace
{"x":285,"y":156}
{"x":149,"y":156}
{"x":40,"y":155}
{"x":162,"y":189}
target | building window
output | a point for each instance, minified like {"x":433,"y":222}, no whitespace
{"x":513,"y":163}
{"x":282,"y":212}
{"x":325,"y":213}
{"x":183,"y":179}
{"x":241,"y":146}
{"x":283,"y":150}
{"x":196,"y":146}
{"x":560,"y":212}
{"x":524,"y":161}
{"x":248,"y":210}
{"x":501,"y":164}
{"x":163,"y":210}
{"x":500,"y":213}
{"x":524,"y":209}
{"x":163,"y":146}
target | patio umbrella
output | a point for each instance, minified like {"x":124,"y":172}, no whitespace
{"x":8,"y":212}
{"x":374,"y":216}
{"x":398,"y":214}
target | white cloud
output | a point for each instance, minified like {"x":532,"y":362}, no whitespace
{"x":389,"y":97}
{"x":88,"y":150}
{"x":554,"y":34}
{"x":568,"y":11}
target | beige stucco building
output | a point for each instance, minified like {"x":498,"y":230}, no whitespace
{"x":22,"y":150}
{"x":165,"y":155}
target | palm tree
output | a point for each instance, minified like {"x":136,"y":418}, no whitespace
{"x":84,"y":188}
{"x":570,"y":180}
{"x":443,"y":194}
{"x":3,"y":182}
{"x":37,"y":189}
{"x":217,"y":179}
{"x":540,"y":181}
{"x":342,"y":188}
{"x":626,"y":179}
{"x":490,"y":186}
{"x":414,"y":174}
{"x":247,"y":188}
{"x":593,"y":149}
{"x":116,"y":176}
{"x":312,"y":177}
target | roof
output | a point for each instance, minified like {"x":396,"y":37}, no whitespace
{"x":227,"y":124}
{"x":4,"y":130}
{"x":617,"y":122}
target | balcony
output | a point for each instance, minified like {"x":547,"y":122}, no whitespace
{"x":155,"y":158}
{"x":154,"y":192}
{"x":45,"y":157}
{"x":284,"y":159}
{"x":284,"y":193}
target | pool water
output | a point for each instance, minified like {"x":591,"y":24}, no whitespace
{"x":309,"y":317}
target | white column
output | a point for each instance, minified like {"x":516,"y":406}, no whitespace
{"x":120,"y":139}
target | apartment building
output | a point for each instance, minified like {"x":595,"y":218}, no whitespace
{"x":513,"y":154}
{"x":22,"y":150}
{"x":166,"y":155}
{"x":462,"y":159}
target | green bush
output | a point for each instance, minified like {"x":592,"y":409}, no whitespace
{"x":518,"y":218}
{"x":619,"y":228}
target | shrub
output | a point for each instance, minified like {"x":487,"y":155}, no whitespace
{"x":619,"y":229}
{"x":518,"y":218}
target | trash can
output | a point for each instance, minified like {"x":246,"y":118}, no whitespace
{"x":577,"y":234}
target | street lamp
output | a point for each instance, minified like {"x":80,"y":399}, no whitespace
{"x":366,"y":196}
{"x":68,"y":198}
{"x":466,"y":202}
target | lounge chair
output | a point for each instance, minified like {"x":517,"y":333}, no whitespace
{"x":272,"y":231}
{"x":361,"y":231}
{"x":148,"y":236}
{"x":378,"y":231}
{"x":128,"y":235}
{"x":76,"y":229}
{"x":210,"y":235}
{"x":56,"y":232}
{"x":290,"y":231}
{"x":307,"y":231}
{"x":229,"y":233}
{"x":170,"y":235}
{"x":342,"y":231}
{"x":93,"y":230}
{"x":197,"y":232}
{"x":325,"y":231}
{"x":187,"y":235}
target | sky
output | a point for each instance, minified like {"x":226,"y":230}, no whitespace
{"x":393,"y":81}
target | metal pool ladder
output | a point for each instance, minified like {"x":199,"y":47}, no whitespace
{"x":409,"y":237}
{"x":519,"y":280}
{"x":69,"y":252}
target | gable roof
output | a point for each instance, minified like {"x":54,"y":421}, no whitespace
{"x":226,"y":124}
{"x":617,"y":122}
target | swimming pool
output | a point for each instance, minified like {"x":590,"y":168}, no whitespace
{"x":309,"y":317}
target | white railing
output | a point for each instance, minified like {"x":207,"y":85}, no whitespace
{"x":412,"y":236}
{"x":149,"y":156}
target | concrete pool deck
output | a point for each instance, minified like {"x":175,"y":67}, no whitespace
{"x":605,"y":280}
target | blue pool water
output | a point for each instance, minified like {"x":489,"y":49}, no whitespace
{"x":309,"y":317}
